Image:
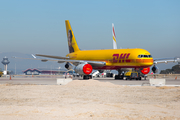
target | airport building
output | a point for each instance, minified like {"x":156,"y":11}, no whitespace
{"x":32,"y":72}
{"x":44,"y":72}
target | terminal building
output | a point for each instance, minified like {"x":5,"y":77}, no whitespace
{"x":32,"y":72}
{"x":44,"y":72}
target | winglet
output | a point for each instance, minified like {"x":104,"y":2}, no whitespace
{"x":33,"y":56}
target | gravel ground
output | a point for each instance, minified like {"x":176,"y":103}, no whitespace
{"x":89,"y":99}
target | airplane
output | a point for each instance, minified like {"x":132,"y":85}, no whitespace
{"x":109,"y":59}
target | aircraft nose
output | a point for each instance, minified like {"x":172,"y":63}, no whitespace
{"x":148,"y":62}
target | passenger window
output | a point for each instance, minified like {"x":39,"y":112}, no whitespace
{"x":142,"y":55}
{"x":139,"y":56}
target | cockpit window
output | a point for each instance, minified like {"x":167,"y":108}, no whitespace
{"x":150,"y":56}
{"x":144,"y":56}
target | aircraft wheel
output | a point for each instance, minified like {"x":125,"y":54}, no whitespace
{"x":90,"y":76}
{"x":85,"y":77}
{"x":117,"y":77}
{"x":111,"y":75}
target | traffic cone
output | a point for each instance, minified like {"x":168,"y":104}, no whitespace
{"x":10,"y":77}
{"x":176,"y":78}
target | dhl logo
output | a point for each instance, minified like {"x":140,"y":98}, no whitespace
{"x":121,"y":58}
{"x":88,"y":69}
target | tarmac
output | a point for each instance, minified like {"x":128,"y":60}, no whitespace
{"x":52,"y":80}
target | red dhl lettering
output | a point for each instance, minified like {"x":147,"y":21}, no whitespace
{"x":120,"y":58}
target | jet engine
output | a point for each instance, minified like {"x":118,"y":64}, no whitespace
{"x":83,"y":69}
{"x":68,"y":66}
{"x":145,"y":70}
{"x":155,"y":69}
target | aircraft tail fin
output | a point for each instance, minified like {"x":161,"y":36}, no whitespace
{"x":114,"y":37}
{"x":72,"y":44}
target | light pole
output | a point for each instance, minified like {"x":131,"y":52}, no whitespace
{"x":15,"y":68}
{"x":59,"y":70}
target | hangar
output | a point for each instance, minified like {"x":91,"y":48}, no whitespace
{"x":47,"y":72}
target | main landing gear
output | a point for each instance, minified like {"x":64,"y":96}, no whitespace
{"x":120,"y":75}
{"x":86,"y":77}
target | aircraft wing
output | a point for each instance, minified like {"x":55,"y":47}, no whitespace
{"x":75,"y":62}
{"x":50,"y":56}
{"x":167,"y":60}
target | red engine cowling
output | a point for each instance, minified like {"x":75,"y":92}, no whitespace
{"x":83,"y":69}
{"x":145,"y":70}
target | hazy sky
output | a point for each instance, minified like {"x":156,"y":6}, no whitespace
{"x":38,"y":26}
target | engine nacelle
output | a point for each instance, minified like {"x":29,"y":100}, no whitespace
{"x":83,"y":69}
{"x":68,"y":66}
{"x":145,"y":71}
{"x":155,"y":69}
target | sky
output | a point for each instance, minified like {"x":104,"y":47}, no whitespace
{"x":38,"y":26}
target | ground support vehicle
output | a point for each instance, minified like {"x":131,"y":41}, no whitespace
{"x":132,"y":75}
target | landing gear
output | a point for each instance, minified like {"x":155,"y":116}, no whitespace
{"x":87,"y":77}
{"x":139,"y":76}
{"x":120,"y":75}
{"x":109,"y":74}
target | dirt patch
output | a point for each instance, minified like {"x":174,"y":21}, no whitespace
{"x":168,"y":87}
{"x":89,"y":99}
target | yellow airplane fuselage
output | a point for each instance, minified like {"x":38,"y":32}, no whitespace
{"x":115,"y":58}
